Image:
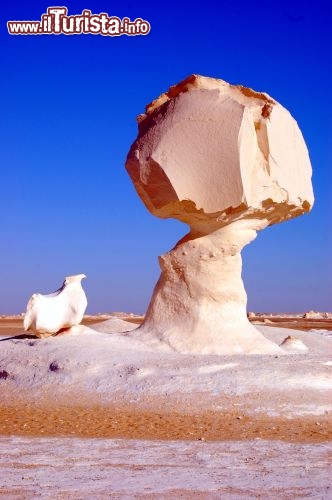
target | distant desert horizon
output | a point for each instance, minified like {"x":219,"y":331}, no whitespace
{"x":12,"y":324}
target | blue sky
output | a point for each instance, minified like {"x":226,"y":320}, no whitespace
{"x":68,"y":118}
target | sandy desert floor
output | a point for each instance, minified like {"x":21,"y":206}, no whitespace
{"x":73,"y":468}
{"x":217,"y":426}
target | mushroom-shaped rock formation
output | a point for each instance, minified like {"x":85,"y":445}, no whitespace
{"x":48,"y":314}
{"x":228,"y":161}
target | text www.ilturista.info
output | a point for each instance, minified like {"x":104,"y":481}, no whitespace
{"x":56,"y":22}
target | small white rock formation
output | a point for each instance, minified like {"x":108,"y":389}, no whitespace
{"x":228,"y":161}
{"x":48,"y":314}
{"x":293,"y":344}
{"x":313,"y":315}
{"x":113,"y":325}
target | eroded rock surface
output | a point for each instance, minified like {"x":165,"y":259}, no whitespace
{"x":209,"y":152}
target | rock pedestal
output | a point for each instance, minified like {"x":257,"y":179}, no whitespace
{"x":199,"y":303}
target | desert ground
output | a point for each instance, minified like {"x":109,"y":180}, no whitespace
{"x":96,"y":407}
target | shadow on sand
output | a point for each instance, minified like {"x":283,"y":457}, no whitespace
{"x":23,"y":336}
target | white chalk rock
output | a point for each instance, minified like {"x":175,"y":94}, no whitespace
{"x":293,"y":344}
{"x":228,"y":161}
{"x":48,"y":314}
{"x":114,"y":325}
{"x":209,"y":152}
{"x":313,"y":315}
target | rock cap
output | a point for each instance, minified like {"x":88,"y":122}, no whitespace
{"x":209,"y":153}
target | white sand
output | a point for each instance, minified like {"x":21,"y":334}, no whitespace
{"x":71,"y":468}
{"x":102,"y":368}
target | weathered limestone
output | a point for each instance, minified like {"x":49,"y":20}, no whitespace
{"x":48,"y":314}
{"x":228,"y":161}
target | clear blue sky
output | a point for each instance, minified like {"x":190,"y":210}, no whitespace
{"x":68,"y":117}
